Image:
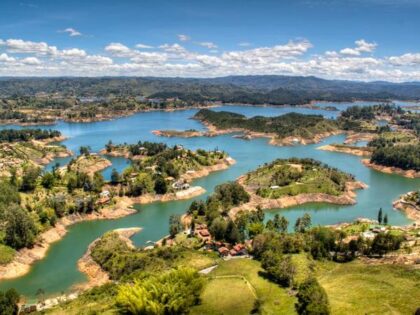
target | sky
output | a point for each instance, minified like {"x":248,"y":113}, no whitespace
{"x":362,"y":40}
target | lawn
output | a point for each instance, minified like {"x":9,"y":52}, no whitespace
{"x":357,"y":288}
{"x":304,"y":267}
{"x":275,"y":300}
{"x":226,"y":296}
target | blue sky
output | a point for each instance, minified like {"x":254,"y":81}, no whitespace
{"x":349,"y":39}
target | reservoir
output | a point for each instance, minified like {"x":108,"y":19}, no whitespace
{"x":58,"y":272}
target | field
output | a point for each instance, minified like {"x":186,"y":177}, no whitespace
{"x":234,"y":295}
{"x":357,"y":288}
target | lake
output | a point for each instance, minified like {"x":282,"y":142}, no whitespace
{"x":58,"y":271}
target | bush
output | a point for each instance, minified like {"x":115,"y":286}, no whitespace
{"x":280,"y":268}
{"x":173,"y":292}
{"x":312,"y":299}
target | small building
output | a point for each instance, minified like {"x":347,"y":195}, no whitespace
{"x":105,"y":193}
{"x":368,"y":235}
{"x":274,"y":187}
{"x":223,"y":251}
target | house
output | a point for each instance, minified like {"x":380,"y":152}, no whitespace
{"x":368,"y":235}
{"x":105,"y":193}
{"x":223,"y":251}
{"x":274,"y":187}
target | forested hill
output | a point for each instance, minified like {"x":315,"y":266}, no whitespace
{"x":241,"y":89}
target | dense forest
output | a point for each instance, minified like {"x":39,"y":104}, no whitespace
{"x":14,"y":135}
{"x":291,"y":124}
{"x":240,"y":89}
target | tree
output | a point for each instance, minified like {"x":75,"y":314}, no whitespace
{"x":30,"y":175}
{"x":280,"y":223}
{"x":386,"y":219}
{"x":173,"y":292}
{"x":20,"y":229}
{"x":302,"y":224}
{"x":175,"y":225}
{"x":218,"y":228}
{"x":279,"y":267}
{"x":97,"y":182}
{"x":9,"y":302}
{"x":47,"y":180}
{"x":115,"y":177}
{"x":380,"y":216}
{"x":312,"y":299}
{"x":84,"y":150}
{"x":161,"y":187}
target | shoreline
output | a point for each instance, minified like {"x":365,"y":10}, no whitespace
{"x":26,"y":257}
{"x":213,"y":131}
{"x":411,"y":210}
{"x":343,"y":149}
{"x":346,"y":198}
{"x":96,"y":276}
{"x":391,"y":169}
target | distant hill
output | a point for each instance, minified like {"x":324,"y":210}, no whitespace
{"x":270,"y":89}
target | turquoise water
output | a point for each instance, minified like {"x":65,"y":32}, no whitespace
{"x":58,"y":271}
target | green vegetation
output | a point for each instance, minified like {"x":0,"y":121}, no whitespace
{"x":13,"y":135}
{"x":312,"y":299}
{"x":159,"y":169}
{"x":291,"y":177}
{"x":9,"y":302}
{"x":404,"y":157}
{"x":352,"y":287}
{"x":238,"y":287}
{"x":6,"y":254}
{"x":172,"y":292}
{"x":292,"y":124}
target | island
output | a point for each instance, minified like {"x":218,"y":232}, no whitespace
{"x":26,"y":148}
{"x":288,"y":129}
{"x":289,"y":182}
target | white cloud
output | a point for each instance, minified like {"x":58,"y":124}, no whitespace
{"x":244,"y":44}
{"x":31,"y":61}
{"x":143,"y":46}
{"x":21,"y":46}
{"x":5,"y":58}
{"x":119,"y":50}
{"x":24,"y":58}
{"x":362,"y":46}
{"x":183,"y":37}
{"x":72,"y":32}
{"x":406,"y":59}
{"x":74,"y":52}
{"x":208,"y":45}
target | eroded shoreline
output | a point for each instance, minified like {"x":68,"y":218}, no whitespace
{"x":346,"y":198}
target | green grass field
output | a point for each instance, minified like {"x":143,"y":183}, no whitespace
{"x":274,"y":299}
{"x":357,"y":288}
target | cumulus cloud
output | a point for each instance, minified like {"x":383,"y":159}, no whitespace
{"x":23,"y":58}
{"x":362,"y":46}
{"x":183,"y":37}
{"x":406,"y":59}
{"x":31,"y":61}
{"x":5,"y":58}
{"x":118,"y":50}
{"x":72,"y":32}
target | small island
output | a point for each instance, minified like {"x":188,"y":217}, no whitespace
{"x":20,"y":149}
{"x":162,"y":173}
{"x":289,"y":182}
{"x":409,"y":203}
{"x":288,"y":129}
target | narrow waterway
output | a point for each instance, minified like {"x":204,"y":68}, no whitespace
{"x":58,"y":271}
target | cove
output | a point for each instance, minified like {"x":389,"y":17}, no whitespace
{"x":58,"y":271}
